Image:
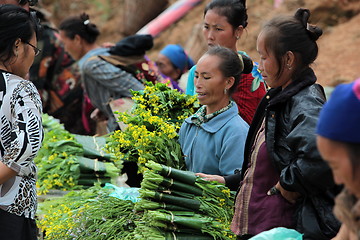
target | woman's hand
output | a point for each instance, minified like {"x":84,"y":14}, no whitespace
{"x":208,"y":177}
{"x":289,"y":196}
{"x":98,"y":116}
{"x":6,"y":173}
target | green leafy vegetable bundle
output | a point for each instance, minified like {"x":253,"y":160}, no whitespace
{"x":87,"y":214}
{"x":68,"y":162}
{"x":179,"y":202}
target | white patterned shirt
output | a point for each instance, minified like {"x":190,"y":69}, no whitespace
{"x":20,"y":139}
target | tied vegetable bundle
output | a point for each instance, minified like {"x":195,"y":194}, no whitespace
{"x":152,"y":127}
{"x":87,"y":214}
{"x":179,"y":202}
{"x":68,"y":162}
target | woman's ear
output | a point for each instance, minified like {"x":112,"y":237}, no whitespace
{"x":16,"y":46}
{"x":230,"y":82}
{"x":77,"y":39}
{"x":239,"y":31}
{"x":17,"y":42}
{"x":290,"y":59}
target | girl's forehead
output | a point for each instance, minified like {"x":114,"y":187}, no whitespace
{"x":212,"y":14}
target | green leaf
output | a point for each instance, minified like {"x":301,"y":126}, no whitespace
{"x":255,"y":84}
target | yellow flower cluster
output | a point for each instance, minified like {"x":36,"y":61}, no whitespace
{"x":64,"y":181}
{"x":152,"y":127}
{"x":50,"y":222}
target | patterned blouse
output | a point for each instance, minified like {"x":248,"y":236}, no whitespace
{"x":20,"y":140}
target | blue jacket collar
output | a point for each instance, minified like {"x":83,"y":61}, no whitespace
{"x":219,"y":121}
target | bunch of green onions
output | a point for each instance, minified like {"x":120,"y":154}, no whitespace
{"x":180,"y":204}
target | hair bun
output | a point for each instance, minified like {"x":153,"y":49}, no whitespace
{"x":243,"y":2}
{"x":314,"y":32}
{"x":303,"y":15}
{"x":84,"y":17}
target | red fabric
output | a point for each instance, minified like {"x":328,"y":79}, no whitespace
{"x":86,"y":111}
{"x":246,"y":100}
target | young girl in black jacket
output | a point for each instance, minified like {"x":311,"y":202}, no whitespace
{"x":284,"y":182}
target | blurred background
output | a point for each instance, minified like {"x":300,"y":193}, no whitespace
{"x":339,"y":19}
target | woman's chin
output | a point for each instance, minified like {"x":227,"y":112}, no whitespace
{"x":202,"y":100}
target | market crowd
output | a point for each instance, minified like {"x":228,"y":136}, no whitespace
{"x":265,"y":130}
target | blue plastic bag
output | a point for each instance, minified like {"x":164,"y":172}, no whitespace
{"x":124,"y":193}
{"x":279,"y":233}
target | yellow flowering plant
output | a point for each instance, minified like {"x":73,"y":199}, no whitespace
{"x":152,"y":127}
{"x":87,"y":214}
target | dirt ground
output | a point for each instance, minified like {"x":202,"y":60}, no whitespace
{"x":338,"y":47}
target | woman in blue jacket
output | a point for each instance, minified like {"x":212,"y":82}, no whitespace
{"x":213,"y":139}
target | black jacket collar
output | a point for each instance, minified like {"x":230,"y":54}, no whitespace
{"x":305,"y":78}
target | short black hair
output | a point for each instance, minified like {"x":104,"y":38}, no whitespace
{"x":234,"y":10}
{"x":15,"y":23}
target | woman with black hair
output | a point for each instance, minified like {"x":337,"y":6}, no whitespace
{"x":212,"y":140}
{"x":21,"y":128}
{"x":284,"y":182}
{"x":224,"y":23}
{"x":102,"y":80}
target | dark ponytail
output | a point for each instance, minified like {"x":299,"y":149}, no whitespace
{"x":283,"y":34}
{"x":234,"y":10}
{"x":248,"y":64}
{"x":80,"y":25}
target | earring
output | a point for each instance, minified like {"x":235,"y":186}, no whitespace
{"x":289,"y":67}
{"x":237,"y":37}
{"x":225,"y":91}
{"x":16,"y":51}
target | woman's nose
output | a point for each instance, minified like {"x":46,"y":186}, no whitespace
{"x":211,"y":35}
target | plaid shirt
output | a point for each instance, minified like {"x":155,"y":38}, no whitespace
{"x":104,"y":82}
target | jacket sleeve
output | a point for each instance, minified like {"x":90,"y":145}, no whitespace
{"x":233,"y":181}
{"x":307,"y":172}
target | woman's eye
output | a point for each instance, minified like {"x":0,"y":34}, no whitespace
{"x":206,"y":27}
{"x":206,"y":78}
{"x":196,"y":76}
{"x":218,"y":29}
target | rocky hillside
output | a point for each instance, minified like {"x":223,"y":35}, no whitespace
{"x":340,"y":20}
